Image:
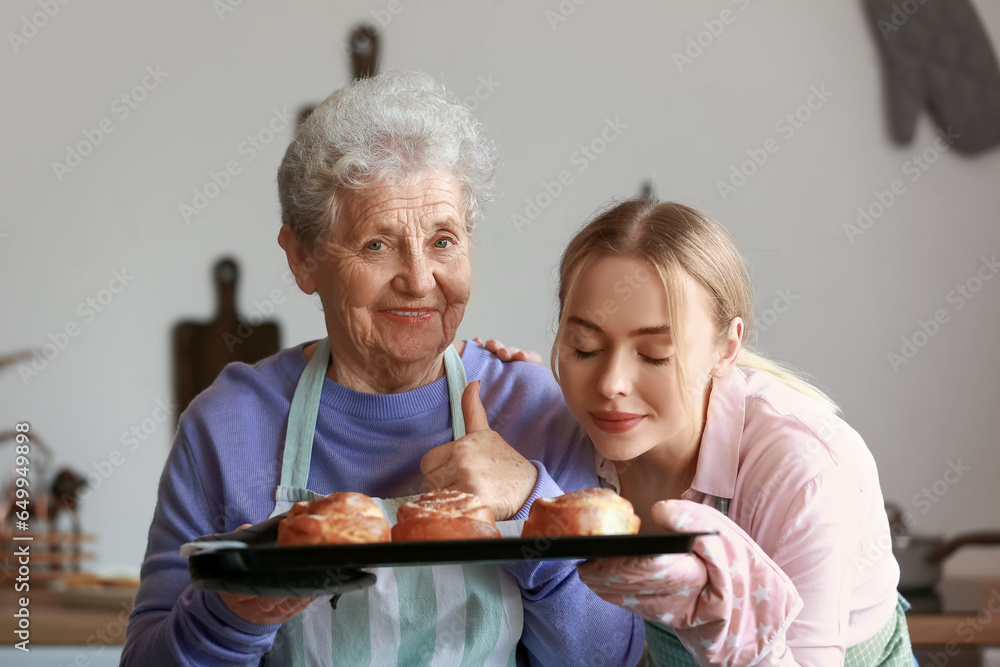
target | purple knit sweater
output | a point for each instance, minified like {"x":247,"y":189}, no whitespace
{"x":224,"y":468}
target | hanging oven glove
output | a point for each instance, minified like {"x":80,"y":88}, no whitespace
{"x":937,"y":53}
{"x":727,"y":601}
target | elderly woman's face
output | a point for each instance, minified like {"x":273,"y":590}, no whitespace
{"x":394,"y":276}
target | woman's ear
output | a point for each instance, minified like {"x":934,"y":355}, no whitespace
{"x":300,"y":261}
{"x":729,"y":349}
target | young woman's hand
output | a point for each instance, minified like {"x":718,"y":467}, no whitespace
{"x":727,"y":601}
{"x":263,"y":611}
{"x":505,"y":353}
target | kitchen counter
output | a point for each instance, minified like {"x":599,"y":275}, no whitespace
{"x":959,"y":634}
{"x":958,"y":629}
{"x":97,"y":621}
{"x":62,"y":619}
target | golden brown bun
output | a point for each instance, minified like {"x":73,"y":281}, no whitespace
{"x":343,"y":517}
{"x":583,"y":512}
{"x":444,"y":515}
{"x":430,"y":527}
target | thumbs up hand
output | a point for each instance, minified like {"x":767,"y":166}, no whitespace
{"x":481,"y":463}
{"x":473,"y":410}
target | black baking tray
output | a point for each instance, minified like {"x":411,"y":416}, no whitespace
{"x":263,"y":568}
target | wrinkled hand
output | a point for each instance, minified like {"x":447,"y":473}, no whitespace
{"x":481,"y":463}
{"x":727,"y":601}
{"x":505,"y":353}
{"x":263,"y":611}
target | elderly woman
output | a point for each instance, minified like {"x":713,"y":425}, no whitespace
{"x":380,"y":190}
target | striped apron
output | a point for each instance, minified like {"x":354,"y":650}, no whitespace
{"x":446,"y":615}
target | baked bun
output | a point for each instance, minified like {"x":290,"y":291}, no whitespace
{"x":583,"y":512}
{"x":343,"y":517}
{"x":444,"y":515}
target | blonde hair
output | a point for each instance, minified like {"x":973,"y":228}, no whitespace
{"x":677,"y":239}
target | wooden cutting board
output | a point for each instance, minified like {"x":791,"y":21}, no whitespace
{"x":202,"y":349}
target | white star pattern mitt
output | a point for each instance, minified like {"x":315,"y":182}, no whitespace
{"x":727,"y":601}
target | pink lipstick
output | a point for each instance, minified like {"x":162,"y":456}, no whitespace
{"x":616,"y":422}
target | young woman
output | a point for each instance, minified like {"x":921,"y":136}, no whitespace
{"x":699,"y":433}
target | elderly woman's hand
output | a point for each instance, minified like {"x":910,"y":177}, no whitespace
{"x":263,"y":611}
{"x":481,"y":463}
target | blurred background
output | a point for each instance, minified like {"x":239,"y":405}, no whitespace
{"x":141,"y":142}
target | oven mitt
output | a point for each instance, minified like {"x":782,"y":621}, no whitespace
{"x":727,"y":601}
{"x":937,"y":53}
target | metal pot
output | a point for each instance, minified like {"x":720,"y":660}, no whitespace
{"x":921,"y":558}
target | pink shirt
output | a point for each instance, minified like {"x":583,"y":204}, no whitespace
{"x":804,"y":486}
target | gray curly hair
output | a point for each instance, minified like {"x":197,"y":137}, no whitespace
{"x":388,"y":128}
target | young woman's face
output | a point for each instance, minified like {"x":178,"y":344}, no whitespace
{"x":617,"y":358}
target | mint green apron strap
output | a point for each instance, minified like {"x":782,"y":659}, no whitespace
{"x":295,"y":462}
{"x":455,"y":371}
{"x":305,"y":409}
{"x":482,"y":584}
{"x":482,"y":589}
{"x":302,"y":419}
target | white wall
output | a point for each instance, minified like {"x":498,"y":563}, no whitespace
{"x":555,"y":88}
